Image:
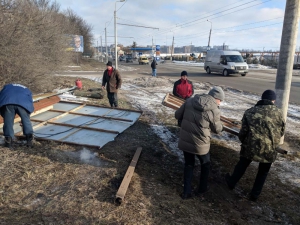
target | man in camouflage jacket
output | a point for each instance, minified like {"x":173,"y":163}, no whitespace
{"x":262,"y":128}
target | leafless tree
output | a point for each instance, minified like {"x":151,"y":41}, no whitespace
{"x":34,"y":39}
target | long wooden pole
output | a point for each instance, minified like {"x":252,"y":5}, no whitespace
{"x":126,"y":180}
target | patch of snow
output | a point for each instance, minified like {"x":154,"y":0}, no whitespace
{"x":258,"y":66}
{"x":147,"y":93}
{"x":189,"y":63}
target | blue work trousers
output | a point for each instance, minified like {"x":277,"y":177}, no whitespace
{"x":153,"y":72}
{"x":8,"y":112}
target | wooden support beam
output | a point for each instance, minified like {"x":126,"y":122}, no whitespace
{"x":78,"y":126}
{"x":89,"y":115}
{"x":126,"y":180}
{"x":128,"y":110}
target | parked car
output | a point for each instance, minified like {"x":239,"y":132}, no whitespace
{"x":129,"y":59}
{"x":122,"y":58}
{"x":143,"y":60}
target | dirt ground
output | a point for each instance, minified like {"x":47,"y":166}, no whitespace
{"x":48,"y":184}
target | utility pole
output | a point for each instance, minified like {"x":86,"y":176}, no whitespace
{"x":152,"y":48}
{"x":286,"y":56}
{"x":172,"y":49}
{"x":106,"y":51}
{"x":116,"y":43}
{"x":97,"y":49}
{"x":101,"y":49}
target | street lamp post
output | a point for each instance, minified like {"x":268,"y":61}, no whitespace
{"x":116,"y":43}
{"x":208,"y":46}
{"x":106,"y":51}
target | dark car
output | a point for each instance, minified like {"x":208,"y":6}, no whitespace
{"x":122,"y":58}
{"x":129,"y":59}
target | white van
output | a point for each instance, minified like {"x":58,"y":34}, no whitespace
{"x":225,"y":62}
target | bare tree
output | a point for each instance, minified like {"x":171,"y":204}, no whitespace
{"x":34,"y":39}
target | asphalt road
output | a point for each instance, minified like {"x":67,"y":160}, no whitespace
{"x":256,"y":81}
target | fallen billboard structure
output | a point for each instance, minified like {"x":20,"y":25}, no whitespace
{"x":79,"y":123}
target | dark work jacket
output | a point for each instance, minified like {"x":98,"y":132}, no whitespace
{"x":16,"y":94}
{"x":112,"y":82}
{"x":153,"y":64}
{"x":183,"y":89}
{"x":200,"y":115}
{"x":262,"y":128}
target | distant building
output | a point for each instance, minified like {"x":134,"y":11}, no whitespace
{"x":220,"y":47}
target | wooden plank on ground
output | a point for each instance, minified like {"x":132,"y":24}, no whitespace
{"x":126,"y":180}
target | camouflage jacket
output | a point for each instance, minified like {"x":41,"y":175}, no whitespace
{"x":262,"y":128}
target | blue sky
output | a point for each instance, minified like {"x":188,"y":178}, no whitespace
{"x":247,"y":24}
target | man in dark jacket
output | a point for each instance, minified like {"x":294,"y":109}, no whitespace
{"x":153,"y":66}
{"x":200,"y":115}
{"x":16,"y":99}
{"x":112,"y":80}
{"x":183,"y":88}
{"x":262,"y":128}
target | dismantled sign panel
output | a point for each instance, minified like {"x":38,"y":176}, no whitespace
{"x":81,"y":124}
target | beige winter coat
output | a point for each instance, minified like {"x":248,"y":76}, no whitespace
{"x":200,"y":115}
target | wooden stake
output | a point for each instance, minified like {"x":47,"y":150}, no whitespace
{"x":126,"y":180}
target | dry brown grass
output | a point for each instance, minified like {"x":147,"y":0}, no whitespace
{"x":45,"y":185}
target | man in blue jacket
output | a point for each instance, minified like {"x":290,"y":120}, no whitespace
{"x":16,"y":99}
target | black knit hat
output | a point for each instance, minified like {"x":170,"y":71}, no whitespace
{"x":184,"y":73}
{"x":109,"y":63}
{"x":269,"y":95}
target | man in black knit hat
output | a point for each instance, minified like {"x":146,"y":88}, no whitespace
{"x":262,"y":128}
{"x":112,"y":79}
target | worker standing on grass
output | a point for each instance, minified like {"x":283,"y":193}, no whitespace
{"x":262,"y":128}
{"x":183,"y":88}
{"x":200,"y":115}
{"x":16,"y":99}
{"x":112,"y":80}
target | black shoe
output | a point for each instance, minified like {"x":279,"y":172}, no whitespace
{"x":8,"y":142}
{"x":186,"y":196}
{"x":29,"y":139}
{"x":200,"y":192}
{"x":227,"y":178}
{"x":252,"y":198}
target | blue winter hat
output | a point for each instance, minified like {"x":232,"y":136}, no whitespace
{"x":269,"y":95}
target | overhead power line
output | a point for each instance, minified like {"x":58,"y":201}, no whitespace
{"x":180,"y":26}
{"x":195,"y":34}
{"x":137,"y":26}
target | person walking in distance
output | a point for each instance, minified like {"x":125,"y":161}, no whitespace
{"x":200,"y":115}
{"x":112,"y":79}
{"x":262,"y":127}
{"x":153,"y":66}
{"x":16,"y":99}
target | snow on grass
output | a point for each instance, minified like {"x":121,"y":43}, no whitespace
{"x":147,"y":93}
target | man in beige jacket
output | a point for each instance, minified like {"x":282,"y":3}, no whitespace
{"x":200,"y":115}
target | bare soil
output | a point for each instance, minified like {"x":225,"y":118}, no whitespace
{"x":46,"y":185}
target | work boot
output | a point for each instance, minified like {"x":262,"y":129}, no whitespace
{"x":203,"y":187}
{"x":29,"y":139}
{"x":187,"y":181}
{"x":8,"y":142}
{"x":228,"y":181}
